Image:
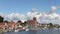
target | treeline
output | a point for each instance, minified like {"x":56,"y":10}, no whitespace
{"x":1,"y":19}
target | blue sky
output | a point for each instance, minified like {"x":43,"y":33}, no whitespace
{"x":24,"y":6}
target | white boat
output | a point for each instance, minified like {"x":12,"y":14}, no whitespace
{"x":27,"y":30}
{"x":16,"y":30}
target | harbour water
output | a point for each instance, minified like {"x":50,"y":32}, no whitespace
{"x":46,"y":31}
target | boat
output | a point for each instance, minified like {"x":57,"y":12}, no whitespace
{"x":16,"y":30}
{"x":27,"y":30}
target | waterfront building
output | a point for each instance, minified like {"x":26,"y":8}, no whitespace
{"x":1,"y":26}
{"x":32,"y":24}
{"x":19,"y":26}
{"x":11,"y":25}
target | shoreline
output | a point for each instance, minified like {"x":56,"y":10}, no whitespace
{"x":29,"y":30}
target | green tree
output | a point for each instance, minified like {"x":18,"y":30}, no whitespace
{"x":24,"y":24}
{"x":51,"y":25}
{"x":1,"y":19}
{"x":19,"y":21}
{"x":6,"y":21}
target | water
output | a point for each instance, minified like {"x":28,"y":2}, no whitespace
{"x":46,"y":31}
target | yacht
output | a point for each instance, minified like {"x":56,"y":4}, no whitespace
{"x":16,"y":30}
{"x":27,"y":30}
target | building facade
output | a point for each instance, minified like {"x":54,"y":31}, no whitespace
{"x":32,"y":24}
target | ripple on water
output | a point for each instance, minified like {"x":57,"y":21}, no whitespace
{"x":46,"y":31}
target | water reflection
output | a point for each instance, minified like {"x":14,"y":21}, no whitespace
{"x":33,"y":32}
{"x":46,"y":31}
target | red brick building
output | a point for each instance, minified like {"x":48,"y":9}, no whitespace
{"x":32,"y":23}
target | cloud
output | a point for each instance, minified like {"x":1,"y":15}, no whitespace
{"x":15,"y":17}
{"x":41,"y":17}
{"x":34,"y":9}
{"x":45,"y":17}
{"x":53,"y":9}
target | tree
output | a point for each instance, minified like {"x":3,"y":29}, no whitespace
{"x":24,"y":24}
{"x":19,"y":21}
{"x":6,"y":21}
{"x":1,"y":19}
{"x":51,"y":24}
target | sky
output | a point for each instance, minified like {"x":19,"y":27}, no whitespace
{"x":24,"y":6}
{"x":45,"y":11}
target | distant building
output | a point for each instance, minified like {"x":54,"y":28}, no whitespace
{"x":32,"y":24}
